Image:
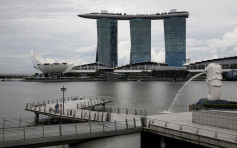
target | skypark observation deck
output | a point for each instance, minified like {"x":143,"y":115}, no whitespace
{"x":125,"y":16}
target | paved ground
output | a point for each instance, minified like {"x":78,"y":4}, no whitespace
{"x":184,"y":121}
{"x":66,"y":129}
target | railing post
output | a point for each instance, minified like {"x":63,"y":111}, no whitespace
{"x":3,"y":128}
{"x":135,"y":111}
{"x":102,"y":116}
{"x":43,"y":130}
{"x":45,"y":109}
{"x":110,"y":109}
{"x":197,"y":131}
{"x":126,"y":120}
{"x":103,"y":126}
{"x":77,"y":106}
{"x":24,"y":133}
{"x":20,"y":122}
{"x":149,"y":123}
{"x":76,"y":128}
{"x":215,"y":136}
{"x":82,"y":114}
{"x":89,"y":115}
{"x":126,"y":110}
{"x":115,"y":125}
{"x":90,"y":125}
{"x":48,"y":101}
{"x":94,"y":116}
{"x":60,"y":129}
{"x":166,"y":124}
{"x":48,"y":120}
{"x":98,"y":116}
{"x":74,"y":115}
{"x":134,"y":120}
{"x":180,"y":128}
{"x":144,"y":121}
{"x":118,"y":111}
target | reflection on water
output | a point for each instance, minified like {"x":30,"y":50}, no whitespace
{"x":155,"y":96}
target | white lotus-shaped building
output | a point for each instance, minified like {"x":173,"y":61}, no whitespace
{"x":49,"y":66}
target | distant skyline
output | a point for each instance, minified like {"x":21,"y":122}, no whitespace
{"x":53,"y":29}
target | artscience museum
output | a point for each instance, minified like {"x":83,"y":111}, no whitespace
{"x":49,"y":66}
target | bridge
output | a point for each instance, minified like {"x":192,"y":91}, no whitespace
{"x":82,"y":119}
{"x":67,"y":133}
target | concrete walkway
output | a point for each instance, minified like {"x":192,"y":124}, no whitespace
{"x":181,"y":124}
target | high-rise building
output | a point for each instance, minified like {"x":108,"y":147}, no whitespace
{"x":107,"y":41}
{"x":140,"y":31}
{"x":175,"y":41}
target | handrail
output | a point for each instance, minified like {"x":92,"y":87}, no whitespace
{"x":65,"y":129}
{"x":197,"y":131}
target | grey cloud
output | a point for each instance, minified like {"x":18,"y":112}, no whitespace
{"x":52,"y":28}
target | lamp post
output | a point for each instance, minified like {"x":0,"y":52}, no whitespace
{"x":63,"y":89}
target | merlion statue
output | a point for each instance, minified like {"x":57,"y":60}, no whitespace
{"x":214,"y":76}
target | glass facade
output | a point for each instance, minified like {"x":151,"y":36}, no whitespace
{"x":175,"y":41}
{"x":107,"y":42}
{"x":140,"y":31}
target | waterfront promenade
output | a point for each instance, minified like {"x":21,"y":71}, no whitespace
{"x":88,"y":118}
{"x":47,"y":135}
{"x":180,"y":126}
{"x":78,"y":123}
{"x":175,"y":126}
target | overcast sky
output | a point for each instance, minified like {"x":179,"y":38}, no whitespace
{"x":52,"y":29}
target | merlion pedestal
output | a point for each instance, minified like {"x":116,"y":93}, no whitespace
{"x":214,"y":77}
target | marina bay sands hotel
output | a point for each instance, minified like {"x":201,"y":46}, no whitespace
{"x":140,"y":32}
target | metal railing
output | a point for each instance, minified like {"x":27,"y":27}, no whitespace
{"x":120,"y":110}
{"x":60,"y":129}
{"x":66,"y":99}
{"x":151,"y":123}
{"x":71,"y":113}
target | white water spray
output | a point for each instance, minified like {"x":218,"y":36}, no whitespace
{"x":181,"y":89}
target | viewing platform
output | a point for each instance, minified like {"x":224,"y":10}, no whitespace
{"x":180,"y":126}
{"x":125,"y":16}
{"x":84,"y":109}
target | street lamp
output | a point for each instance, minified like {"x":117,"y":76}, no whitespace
{"x":63,"y":89}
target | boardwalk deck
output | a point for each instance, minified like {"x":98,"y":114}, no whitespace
{"x":64,"y":133}
{"x":85,"y":110}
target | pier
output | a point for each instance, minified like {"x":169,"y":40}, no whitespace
{"x":87,"y":118}
{"x":71,"y":133}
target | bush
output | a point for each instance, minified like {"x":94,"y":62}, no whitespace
{"x":233,"y":102}
{"x":232,"y":105}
